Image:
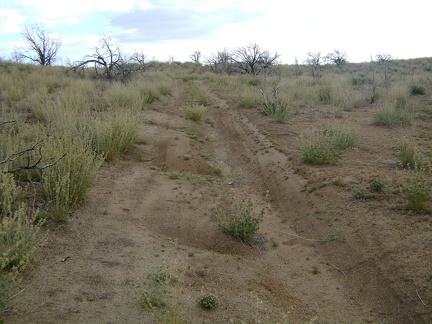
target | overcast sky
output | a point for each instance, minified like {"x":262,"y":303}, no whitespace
{"x":176,"y":28}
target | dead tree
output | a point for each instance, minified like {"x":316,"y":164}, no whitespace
{"x":313,"y":60}
{"x":220,"y":62}
{"x":252,"y":60}
{"x":41,"y":48}
{"x":195,"y":56}
{"x":108,"y":61}
{"x":336,"y":57}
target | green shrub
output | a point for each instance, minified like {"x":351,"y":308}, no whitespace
{"x":240,"y":220}
{"x":409,"y":154}
{"x":417,"y":90}
{"x":9,"y":192}
{"x":75,"y":165}
{"x":360,"y":195}
{"x":376,"y":186}
{"x":418,"y":190}
{"x":208,"y":301}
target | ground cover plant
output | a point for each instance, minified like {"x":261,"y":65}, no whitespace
{"x":110,"y":180}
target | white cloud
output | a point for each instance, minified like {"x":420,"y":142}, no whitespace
{"x":11,"y":20}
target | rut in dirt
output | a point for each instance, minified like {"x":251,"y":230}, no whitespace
{"x":269,"y":167}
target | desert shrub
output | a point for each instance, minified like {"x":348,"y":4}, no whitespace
{"x":344,"y":133}
{"x":73,"y":172}
{"x":376,"y":186}
{"x":9,"y":192}
{"x":417,"y":90}
{"x":240,"y":219}
{"x":193,"y":112}
{"x":360,"y":195}
{"x":278,"y":110}
{"x":116,"y":132}
{"x":325,"y":93}
{"x":208,"y":301}
{"x":418,"y":189}
{"x":19,"y":239}
{"x":409,"y":154}
{"x":392,"y":114}
{"x":318,"y":148}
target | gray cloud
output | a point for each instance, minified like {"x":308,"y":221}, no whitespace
{"x":158,"y":25}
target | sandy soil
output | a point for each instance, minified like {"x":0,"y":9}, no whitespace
{"x":372,"y":257}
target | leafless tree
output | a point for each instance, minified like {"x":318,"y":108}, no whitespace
{"x":220,"y":62}
{"x":195,"y":56}
{"x":313,"y":60}
{"x":252,"y":59}
{"x":336,"y":57}
{"x":41,"y":48}
{"x":108,"y":61}
{"x":385,"y":65}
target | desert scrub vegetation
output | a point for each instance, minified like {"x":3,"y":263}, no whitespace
{"x":326,"y":147}
{"x":417,"y":187}
{"x":194,"y":112}
{"x":241,"y":219}
{"x":198,"y":93}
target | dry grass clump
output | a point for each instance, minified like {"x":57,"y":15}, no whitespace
{"x":194,"y":112}
{"x":325,"y":147}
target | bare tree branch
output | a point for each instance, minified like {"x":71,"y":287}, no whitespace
{"x":252,"y":60}
{"x":41,"y":47}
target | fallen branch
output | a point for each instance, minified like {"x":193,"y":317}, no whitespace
{"x":420,"y":298}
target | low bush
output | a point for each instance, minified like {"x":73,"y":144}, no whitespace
{"x":417,"y":90}
{"x":208,"y":301}
{"x":240,"y":220}
{"x":194,"y":112}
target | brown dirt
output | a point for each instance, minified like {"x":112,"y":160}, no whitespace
{"x":136,"y":219}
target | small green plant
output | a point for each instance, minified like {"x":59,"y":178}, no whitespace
{"x":359,"y":195}
{"x":376,"y":186}
{"x":174,"y":175}
{"x":208,"y":301}
{"x":315,"y":270}
{"x":331,"y":236}
{"x":186,"y":157}
{"x":194,"y":112}
{"x":417,"y":90}
{"x":240,"y":219}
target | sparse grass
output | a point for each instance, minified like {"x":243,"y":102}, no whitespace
{"x":359,"y":195}
{"x":198,"y":93}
